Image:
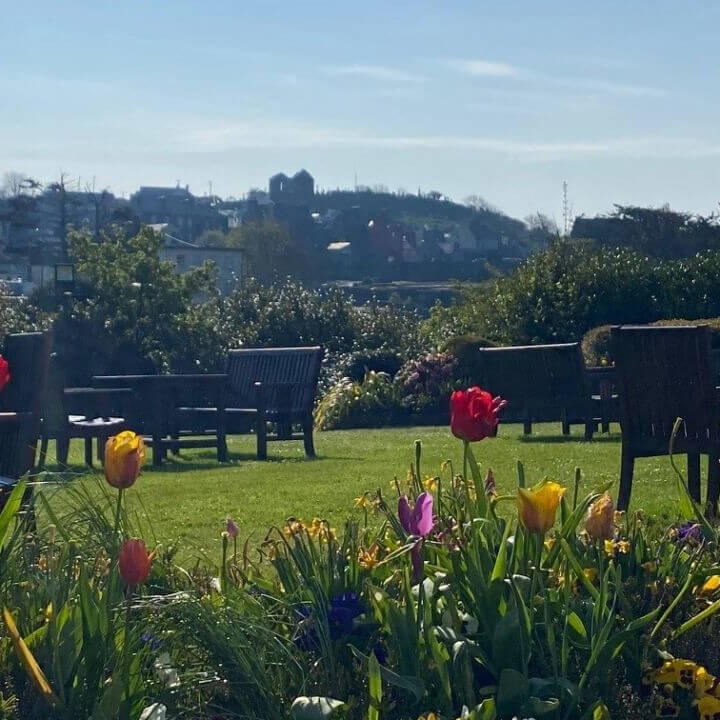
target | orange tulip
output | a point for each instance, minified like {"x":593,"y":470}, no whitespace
{"x":134,"y":562}
{"x":537,"y":507}
{"x":600,"y":519}
{"x":124,"y":458}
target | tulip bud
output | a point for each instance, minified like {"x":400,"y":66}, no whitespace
{"x":231,"y":528}
{"x":134,"y":562}
{"x":124,"y":458}
{"x":599,"y":520}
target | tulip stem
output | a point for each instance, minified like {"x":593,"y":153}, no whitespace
{"x":118,"y":510}
{"x":126,"y":651}
{"x":466,"y":447}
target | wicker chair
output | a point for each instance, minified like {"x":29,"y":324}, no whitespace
{"x":664,"y":373}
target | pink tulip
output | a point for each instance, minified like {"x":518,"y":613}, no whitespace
{"x":231,"y":528}
{"x":417,"y":520}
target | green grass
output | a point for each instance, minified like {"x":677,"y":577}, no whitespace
{"x":189,"y":497}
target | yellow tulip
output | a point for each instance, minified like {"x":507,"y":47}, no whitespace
{"x":599,"y":521}
{"x":537,"y":507}
{"x":124,"y":458}
{"x":711,"y":585}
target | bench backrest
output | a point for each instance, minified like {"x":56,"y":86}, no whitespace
{"x":27,"y":355}
{"x":540,"y":382}
{"x":289,"y":377}
{"x":664,"y":373}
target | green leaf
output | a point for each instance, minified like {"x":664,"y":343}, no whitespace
{"x":374,"y":688}
{"x":314,"y":708}
{"x":12,"y":506}
{"x":411,"y":684}
{"x":512,"y":692}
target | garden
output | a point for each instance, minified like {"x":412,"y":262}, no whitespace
{"x":432,"y":563}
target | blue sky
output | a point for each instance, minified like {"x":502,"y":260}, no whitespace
{"x":500,"y":99}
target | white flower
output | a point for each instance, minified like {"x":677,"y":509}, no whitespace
{"x":156,"y":711}
{"x":165,"y":672}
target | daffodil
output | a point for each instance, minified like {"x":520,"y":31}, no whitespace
{"x":368,"y":559}
{"x":538,"y":506}
{"x":710,"y":586}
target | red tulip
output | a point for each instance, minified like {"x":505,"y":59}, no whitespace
{"x":134,"y":562}
{"x":474,"y":414}
{"x":4,"y":372}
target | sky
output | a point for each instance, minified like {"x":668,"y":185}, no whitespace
{"x":505,"y":100}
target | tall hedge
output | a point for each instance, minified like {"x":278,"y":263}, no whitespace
{"x":559,"y":294}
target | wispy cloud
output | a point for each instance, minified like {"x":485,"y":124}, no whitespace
{"x":373,"y":72}
{"x":484,"y":68}
{"x":257,"y":135}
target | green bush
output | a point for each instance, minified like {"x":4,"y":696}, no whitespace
{"x":597,"y":347}
{"x":358,"y":364}
{"x":559,"y":294}
{"x":374,"y":402}
{"x":464,"y":348}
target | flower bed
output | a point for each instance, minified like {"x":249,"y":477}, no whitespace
{"x":439,"y":598}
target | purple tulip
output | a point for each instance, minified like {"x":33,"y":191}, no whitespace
{"x":417,"y":520}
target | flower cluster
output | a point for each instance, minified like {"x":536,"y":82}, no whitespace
{"x":701,"y":688}
{"x":427,"y":380}
{"x":318,"y":529}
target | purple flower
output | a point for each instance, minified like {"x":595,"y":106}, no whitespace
{"x":689,"y":532}
{"x":342,"y":611}
{"x":417,"y":520}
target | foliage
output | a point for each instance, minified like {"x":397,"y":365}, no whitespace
{"x":464,"y":349}
{"x":559,"y":294}
{"x":597,"y":348}
{"x":356,"y":365}
{"x":427,"y":381}
{"x":654,"y":231}
{"x":348,"y":403}
{"x":132,"y":311}
{"x":501,"y":623}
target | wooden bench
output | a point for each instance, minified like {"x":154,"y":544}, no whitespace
{"x":542,"y":383}
{"x":665,"y":373}
{"x":175,"y":411}
{"x":273,"y":385}
{"x":27,"y":355}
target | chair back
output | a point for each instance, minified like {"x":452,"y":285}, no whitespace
{"x":540,"y":382}
{"x":27,"y":355}
{"x":290,"y":377}
{"x":664,"y":373}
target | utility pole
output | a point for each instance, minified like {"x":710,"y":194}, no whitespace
{"x":566,"y":209}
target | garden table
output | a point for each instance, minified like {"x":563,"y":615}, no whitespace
{"x":157,"y":400}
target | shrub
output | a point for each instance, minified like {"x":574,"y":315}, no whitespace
{"x":464,"y":348}
{"x":427,"y":382}
{"x":371,"y":403}
{"x":358,"y":364}
{"x":597,"y":347}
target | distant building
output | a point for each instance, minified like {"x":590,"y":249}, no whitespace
{"x":186,"y":256}
{"x":296,"y":190}
{"x":187,"y":215}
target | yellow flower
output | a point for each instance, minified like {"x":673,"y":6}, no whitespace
{"x":675,"y":672}
{"x":711,"y":585}
{"x":591,"y":574}
{"x":429,"y":716}
{"x":537,"y":507}
{"x":599,"y":521}
{"x":368,"y":559}
{"x":363,"y":501}
{"x":623,"y":546}
{"x":549,"y":544}
{"x":708,"y":707}
{"x":293,"y":527}
{"x":704,"y":682}
{"x":124,"y":458}
{"x":431,"y":483}
{"x":650,"y":566}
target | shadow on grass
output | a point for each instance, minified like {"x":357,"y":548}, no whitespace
{"x":559,"y":439}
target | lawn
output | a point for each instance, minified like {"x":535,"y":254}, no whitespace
{"x":189,"y":497}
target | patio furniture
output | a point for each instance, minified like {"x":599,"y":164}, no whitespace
{"x":665,"y":373}
{"x":85,"y":413}
{"x":20,"y":403}
{"x":167,"y":410}
{"x":273,"y":385}
{"x":541,"y":383}
{"x":605,"y":403}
